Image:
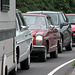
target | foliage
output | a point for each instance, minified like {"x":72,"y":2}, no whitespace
{"x":67,"y":6}
{"x":73,"y":64}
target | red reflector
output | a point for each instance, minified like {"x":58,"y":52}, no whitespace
{"x":13,"y":43}
{"x":3,"y":47}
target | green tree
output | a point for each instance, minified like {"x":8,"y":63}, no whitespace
{"x":67,"y":6}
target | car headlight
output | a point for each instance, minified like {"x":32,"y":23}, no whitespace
{"x":39,"y":39}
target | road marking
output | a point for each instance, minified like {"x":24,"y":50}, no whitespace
{"x":56,"y":69}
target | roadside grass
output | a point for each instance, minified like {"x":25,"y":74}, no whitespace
{"x":73,"y":64}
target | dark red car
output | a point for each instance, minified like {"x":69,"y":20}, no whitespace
{"x":71,"y":18}
{"x":46,"y":38}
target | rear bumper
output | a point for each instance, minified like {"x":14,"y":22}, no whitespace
{"x":37,"y":49}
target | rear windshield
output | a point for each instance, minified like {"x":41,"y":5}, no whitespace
{"x":71,"y":18}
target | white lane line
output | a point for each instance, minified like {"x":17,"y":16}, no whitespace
{"x":56,"y":69}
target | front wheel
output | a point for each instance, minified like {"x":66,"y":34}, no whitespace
{"x":43,"y":56}
{"x":25,"y":65}
{"x":54,"y":54}
{"x":69,"y":47}
{"x":60,"y":47}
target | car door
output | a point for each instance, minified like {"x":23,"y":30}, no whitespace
{"x":52,"y":35}
{"x":24,"y":37}
{"x":64,"y":29}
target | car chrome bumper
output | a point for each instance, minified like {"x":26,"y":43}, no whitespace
{"x":38,"y":49}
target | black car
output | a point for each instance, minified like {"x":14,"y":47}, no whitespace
{"x":62,"y":23}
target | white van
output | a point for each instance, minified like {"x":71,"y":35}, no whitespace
{"x":24,"y":41}
{"x":7,"y":37}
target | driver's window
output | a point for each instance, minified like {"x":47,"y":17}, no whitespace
{"x":22,"y":19}
{"x":61,"y":19}
{"x":49,"y":22}
{"x":18,"y":21}
{"x":17,"y":24}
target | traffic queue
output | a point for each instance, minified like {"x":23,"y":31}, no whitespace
{"x":26,"y":35}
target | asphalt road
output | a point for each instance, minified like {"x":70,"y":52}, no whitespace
{"x":43,"y":68}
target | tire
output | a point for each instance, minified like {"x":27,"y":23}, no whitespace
{"x":6,"y":71}
{"x":69,"y":47}
{"x":43,"y":56}
{"x":13,"y":72}
{"x":25,"y":65}
{"x":54,"y":54}
{"x":60,"y":47}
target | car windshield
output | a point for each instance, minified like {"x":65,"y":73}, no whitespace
{"x":54,"y":17}
{"x":71,"y":18}
{"x":34,"y":21}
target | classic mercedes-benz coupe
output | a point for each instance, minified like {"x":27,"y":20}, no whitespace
{"x":46,"y":38}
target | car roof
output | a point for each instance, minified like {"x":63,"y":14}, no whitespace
{"x":42,"y":12}
{"x":70,"y":14}
{"x":35,"y":14}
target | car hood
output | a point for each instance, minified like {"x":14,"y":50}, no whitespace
{"x":73,"y":27}
{"x":38,"y":31}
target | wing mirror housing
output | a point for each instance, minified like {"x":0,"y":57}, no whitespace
{"x":51,"y":27}
{"x":24,"y":27}
{"x":63,"y":24}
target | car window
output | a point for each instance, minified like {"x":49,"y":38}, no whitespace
{"x":17,"y":23}
{"x":54,"y":17}
{"x":49,"y":21}
{"x":61,"y":18}
{"x":21,"y":20}
{"x":71,"y":18}
{"x":65,"y":18}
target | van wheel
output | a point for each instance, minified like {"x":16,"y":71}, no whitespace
{"x":55,"y":53}
{"x":60,"y":47}
{"x":6,"y":71}
{"x":43,"y":55}
{"x":69,"y":47}
{"x":13,"y":72}
{"x":25,"y":65}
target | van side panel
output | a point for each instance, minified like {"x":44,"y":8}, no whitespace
{"x":7,"y":19}
{"x":7,"y":33}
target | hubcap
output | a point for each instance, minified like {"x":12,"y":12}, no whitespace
{"x":71,"y":43}
{"x":61,"y":45}
{"x":29,"y":59}
{"x":56,"y":52}
{"x":45,"y":53}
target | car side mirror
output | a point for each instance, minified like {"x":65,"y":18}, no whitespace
{"x":24,"y":27}
{"x":63,"y":24}
{"x":51,"y":27}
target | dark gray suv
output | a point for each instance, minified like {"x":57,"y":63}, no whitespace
{"x":61,"y":22}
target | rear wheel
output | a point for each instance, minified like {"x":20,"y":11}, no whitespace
{"x":25,"y":65}
{"x":54,"y":54}
{"x":69,"y":47}
{"x":60,"y":47}
{"x":43,"y":56}
{"x":6,"y":71}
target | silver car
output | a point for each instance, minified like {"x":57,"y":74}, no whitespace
{"x":24,"y":41}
